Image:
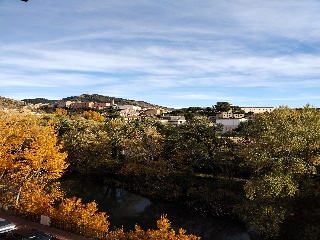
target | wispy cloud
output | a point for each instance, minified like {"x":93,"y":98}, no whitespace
{"x":147,"y":50}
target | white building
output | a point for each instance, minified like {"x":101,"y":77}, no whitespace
{"x":230,"y":124}
{"x":229,"y":115}
{"x":137,"y":108}
{"x":175,"y":120}
{"x":257,"y":109}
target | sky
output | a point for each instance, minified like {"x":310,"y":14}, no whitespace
{"x":182,"y":53}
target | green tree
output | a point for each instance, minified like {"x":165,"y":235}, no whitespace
{"x":142,"y":141}
{"x":222,"y":107}
{"x":283,"y":152}
{"x":237,"y":109}
{"x":198,"y":144}
{"x":88,"y":145}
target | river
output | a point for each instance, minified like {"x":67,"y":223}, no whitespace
{"x":127,"y":209}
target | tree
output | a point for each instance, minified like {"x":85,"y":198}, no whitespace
{"x":199,"y":145}
{"x":92,"y":115}
{"x":164,"y":231}
{"x":73,"y":211}
{"x":222,"y":107}
{"x":31,"y":160}
{"x":88,"y":145}
{"x":283,"y":152}
{"x":237,"y":109}
{"x":61,"y":111}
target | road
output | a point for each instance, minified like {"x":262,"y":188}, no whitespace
{"x":22,"y":223}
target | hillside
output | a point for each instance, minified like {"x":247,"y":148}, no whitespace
{"x":10,"y":103}
{"x":101,"y":98}
{"x":95,"y":98}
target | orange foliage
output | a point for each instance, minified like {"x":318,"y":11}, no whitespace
{"x":92,"y":115}
{"x":60,"y":111}
{"x":164,"y":231}
{"x":72,"y":210}
{"x":30,"y":157}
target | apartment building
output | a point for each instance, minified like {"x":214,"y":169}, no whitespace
{"x":257,"y":109}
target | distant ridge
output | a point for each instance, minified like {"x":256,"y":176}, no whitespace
{"x":96,"y":98}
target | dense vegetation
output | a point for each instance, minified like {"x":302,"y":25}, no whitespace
{"x":265,"y":174}
{"x":32,"y":160}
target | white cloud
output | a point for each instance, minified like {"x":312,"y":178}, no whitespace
{"x":147,"y":47}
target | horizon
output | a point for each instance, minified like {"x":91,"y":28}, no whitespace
{"x":173,"y":54}
{"x":251,"y":106}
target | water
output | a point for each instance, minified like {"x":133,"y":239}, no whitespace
{"x":127,"y":209}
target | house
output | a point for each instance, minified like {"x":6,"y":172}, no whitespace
{"x":152,"y":112}
{"x":62,"y":104}
{"x":175,"y":120}
{"x":122,"y":107}
{"x":80,"y":104}
{"x":101,"y":105}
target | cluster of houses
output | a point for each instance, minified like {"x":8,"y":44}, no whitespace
{"x":229,"y":120}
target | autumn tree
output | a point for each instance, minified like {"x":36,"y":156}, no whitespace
{"x":283,"y":152}
{"x":73,"y":211}
{"x":92,"y":115}
{"x":164,"y":231}
{"x":61,"y":111}
{"x":31,"y":160}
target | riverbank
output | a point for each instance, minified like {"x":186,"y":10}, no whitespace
{"x":126,"y":209}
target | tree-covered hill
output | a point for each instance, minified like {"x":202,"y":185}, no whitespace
{"x":95,"y":98}
{"x":38,"y":100}
{"x":10,"y":103}
{"x":102,"y":98}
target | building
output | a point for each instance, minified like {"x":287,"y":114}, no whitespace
{"x":152,"y":112}
{"x":229,"y":115}
{"x":175,"y":120}
{"x":257,"y":109}
{"x":231,"y":121}
{"x":230,"y":124}
{"x":101,"y":105}
{"x":80,"y":104}
{"x":63,"y":104}
{"x":129,"y":107}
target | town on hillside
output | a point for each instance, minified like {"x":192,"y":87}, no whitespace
{"x":223,"y":113}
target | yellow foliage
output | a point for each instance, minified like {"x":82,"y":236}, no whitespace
{"x":164,"y":231}
{"x":30,"y":156}
{"x":39,"y":198}
{"x":31,"y":161}
{"x":60,"y":111}
{"x":92,"y":115}
{"x":72,"y":210}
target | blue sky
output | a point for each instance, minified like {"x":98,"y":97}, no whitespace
{"x":172,"y":53}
